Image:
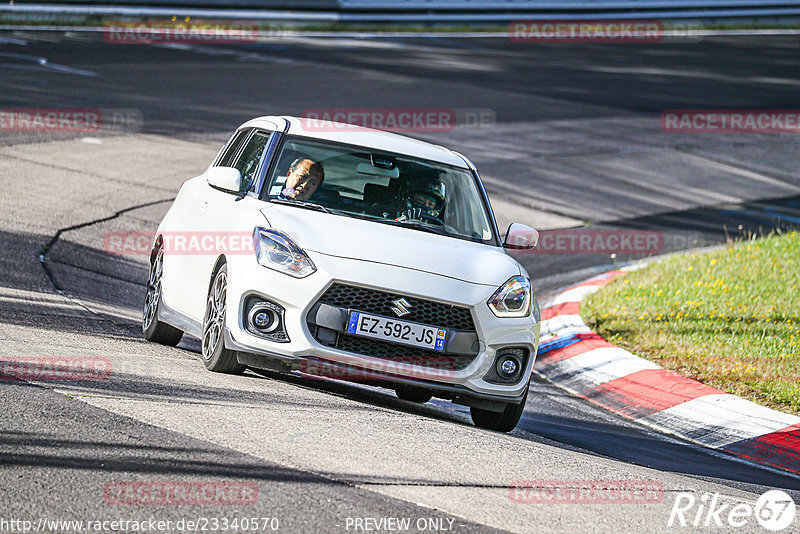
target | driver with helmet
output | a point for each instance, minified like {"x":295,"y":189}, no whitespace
{"x":424,"y":202}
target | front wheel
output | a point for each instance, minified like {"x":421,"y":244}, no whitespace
{"x":153,"y":329}
{"x":504,"y":421}
{"x":215,"y":356}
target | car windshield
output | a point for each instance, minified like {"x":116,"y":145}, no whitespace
{"x":380,"y":186}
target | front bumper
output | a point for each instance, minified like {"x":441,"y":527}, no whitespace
{"x":304,"y":353}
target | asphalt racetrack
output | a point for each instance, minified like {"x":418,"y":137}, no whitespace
{"x":570,"y":134}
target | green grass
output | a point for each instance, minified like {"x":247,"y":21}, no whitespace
{"x":729,"y":318}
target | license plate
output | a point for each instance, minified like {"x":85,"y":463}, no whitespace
{"x":416,"y":335}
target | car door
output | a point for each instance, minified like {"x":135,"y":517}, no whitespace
{"x":208,"y":222}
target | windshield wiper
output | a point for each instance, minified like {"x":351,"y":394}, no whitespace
{"x":308,"y":205}
{"x":419,"y":226}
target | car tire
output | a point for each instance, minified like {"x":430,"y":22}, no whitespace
{"x":412,"y":394}
{"x":215,"y":356}
{"x":504,"y":421}
{"x":153,"y":329}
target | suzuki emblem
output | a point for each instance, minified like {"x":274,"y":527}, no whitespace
{"x":400,"y":307}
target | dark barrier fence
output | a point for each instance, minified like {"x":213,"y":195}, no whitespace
{"x":468,"y":11}
{"x":436,"y":5}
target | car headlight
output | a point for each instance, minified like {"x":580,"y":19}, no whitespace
{"x":512,"y":299}
{"x":275,"y":250}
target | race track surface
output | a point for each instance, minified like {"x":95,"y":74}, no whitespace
{"x":575,"y":138}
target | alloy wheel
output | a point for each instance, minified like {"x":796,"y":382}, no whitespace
{"x":214,"y":320}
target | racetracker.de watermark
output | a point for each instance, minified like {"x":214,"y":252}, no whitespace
{"x":602,"y":31}
{"x":136,"y":243}
{"x":186,"y":32}
{"x":143,"y":493}
{"x":731,"y":120}
{"x":397,"y":119}
{"x":426,"y":366}
{"x":58,"y":368}
{"x":588,"y":241}
{"x":586,"y":492}
{"x":71,"y":120}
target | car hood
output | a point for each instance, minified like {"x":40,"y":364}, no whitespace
{"x":358,"y":239}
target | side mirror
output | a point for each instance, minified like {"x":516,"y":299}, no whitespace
{"x":227,"y":179}
{"x":521,"y":237}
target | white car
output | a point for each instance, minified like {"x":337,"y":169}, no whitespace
{"x":348,"y":253}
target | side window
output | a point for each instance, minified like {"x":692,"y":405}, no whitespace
{"x":233,"y":148}
{"x":251,"y":157}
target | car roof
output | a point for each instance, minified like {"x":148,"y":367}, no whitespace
{"x":361,"y":136}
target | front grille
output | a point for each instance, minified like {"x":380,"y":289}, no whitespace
{"x":402,"y":354}
{"x":378,"y":302}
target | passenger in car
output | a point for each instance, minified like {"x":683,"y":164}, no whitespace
{"x":303,"y":179}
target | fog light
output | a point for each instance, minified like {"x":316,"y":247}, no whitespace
{"x":508,"y":367}
{"x":264,"y":319}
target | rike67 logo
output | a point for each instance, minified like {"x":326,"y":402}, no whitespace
{"x":774,"y":510}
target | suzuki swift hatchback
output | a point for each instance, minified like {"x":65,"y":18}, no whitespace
{"x":349,"y":253}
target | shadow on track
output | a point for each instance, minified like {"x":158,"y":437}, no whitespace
{"x":113,"y":282}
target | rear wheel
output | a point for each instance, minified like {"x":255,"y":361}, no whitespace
{"x":155,"y":330}
{"x":412,"y":394}
{"x":504,"y":421}
{"x":215,"y":356}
